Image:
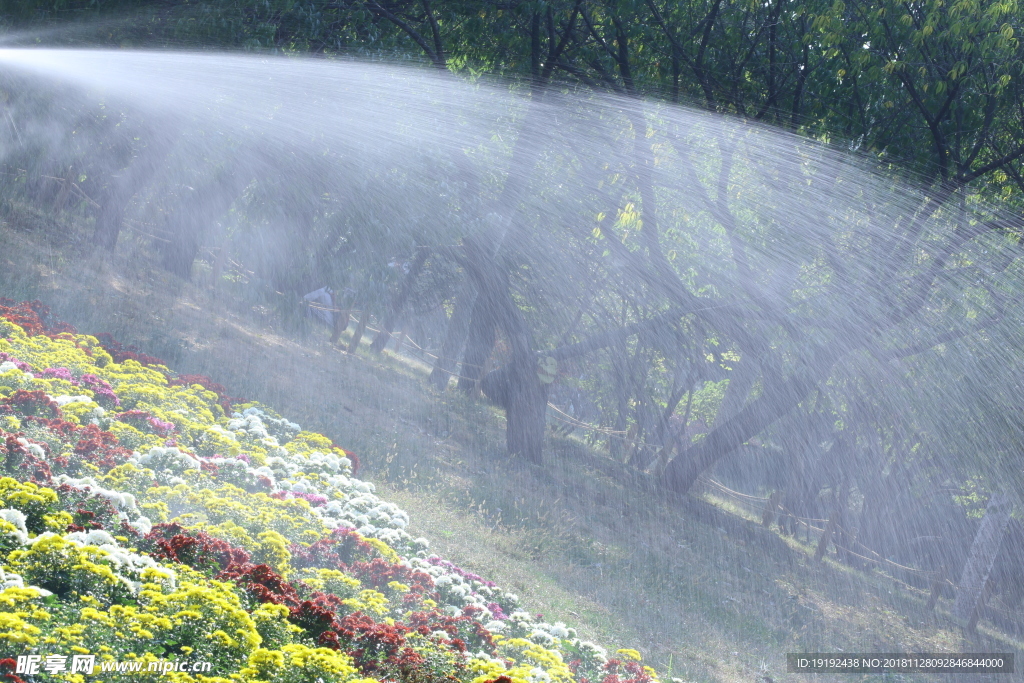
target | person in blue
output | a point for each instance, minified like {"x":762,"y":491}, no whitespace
{"x":320,"y":306}
{"x":323,"y":306}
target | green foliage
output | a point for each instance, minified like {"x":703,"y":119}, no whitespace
{"x":649,"y":212}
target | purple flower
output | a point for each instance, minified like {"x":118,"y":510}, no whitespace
{"x":100,"y":387}
{"x":314,"y":499}
{"x":58,"y":373}
{"x":162,"y":428}
{"x":102,"y":390}
{"x":24,"y":367}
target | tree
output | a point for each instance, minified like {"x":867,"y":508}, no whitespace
{"x":803,"y":260}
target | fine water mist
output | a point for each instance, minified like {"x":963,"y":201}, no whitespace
{"x":840,"y":330}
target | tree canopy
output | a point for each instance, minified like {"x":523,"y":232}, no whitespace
{"x":740,"y":229}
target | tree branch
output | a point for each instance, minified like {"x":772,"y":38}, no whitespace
{"x":944,"y":338}
{"x":404,"y":25}
{"x":993,"y":165}
{"x":555,"y":51}
{"x":439,"y":59}
{"x":597,"y":36}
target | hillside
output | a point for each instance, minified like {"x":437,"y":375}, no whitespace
{"x":702,"y":592}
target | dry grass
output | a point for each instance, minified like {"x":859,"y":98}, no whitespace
{"x":582,"y":540}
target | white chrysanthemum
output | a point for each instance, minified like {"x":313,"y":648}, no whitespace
{"x":128,"y":567}
{"x":15,"y":517}
{"x":282,"y":467}
{"x":34,"y":449}
{"x":558,"y":630}
{"x":541,"y":638}
{"x":340,"y":482}
{"x":594,"y":650}
{"x":64,"y":399}
{"x":539,"y":675}
{"x":260,"y":425}
{"x":167,"y":459}
{"x":98,"y":417}
{"x":12,"y":580}
{"x":362,"y":502}
{"x":220,"y":431}
{"x":124,"y":503}
{"x":392,"y":537}
{"x":323,"y":462}
{"x":143,"y":525}
{"x":96,"y":537}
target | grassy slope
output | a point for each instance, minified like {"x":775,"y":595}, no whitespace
{"x":582,"y":540}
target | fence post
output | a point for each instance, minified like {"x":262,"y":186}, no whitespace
{"x":826,"y":536}
{"x":769,"y":510}
{"x":340,"y":324}
{"x":940,"y":580}
{"x":364,"y":317}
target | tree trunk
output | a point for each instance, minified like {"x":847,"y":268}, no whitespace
{"x":983,"y":555}
{"x":684,"y":469}
{"x":357,"y":336}
{"x":826,"y":535}
{"x":770,"y":508}
{"x":479,"y":346}
{"x":517,"y":388}
{"x":940,"y":581}
{"x":737,"y":392}
{"x":526,"y":407}
{"x":126,"y":185}
{"x":398,"y":303}
{"x":454,"y":336}
{"x":195,"y":214}
{"x":341,"y":319}
{"x":179,"y":254}
{"x":527,"y":412}
{"x":620,"y":360}
{"x":526,"y":397}
{"x":843,"y":537}
{"x":110,"y":219}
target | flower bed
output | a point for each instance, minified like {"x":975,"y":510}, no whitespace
{"x":146,"y":516}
